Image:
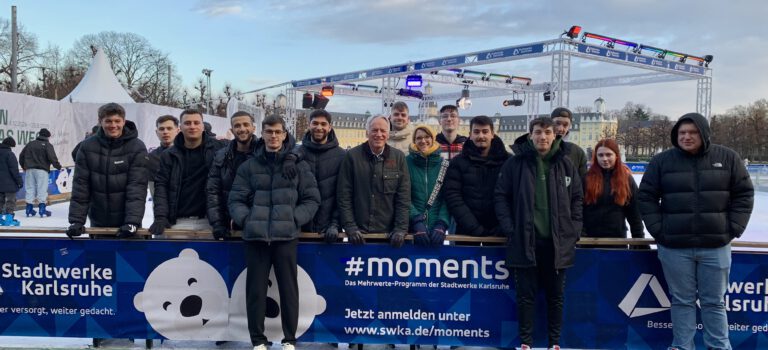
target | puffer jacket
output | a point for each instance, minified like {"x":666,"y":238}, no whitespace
{"x":169,"y":175}
{"x":220,"y":179}
{"x":110,"y":184}
{"x":10,"y":180}
{"x":324,"y":161}
{"x":469,"y":185}
{"x":514,"y":202}
{"x":373,"y":194}
{"x":268,"y":206}
{"x":39,"y":154}
{"x":424,"y":172}
{"x":701,"y":200}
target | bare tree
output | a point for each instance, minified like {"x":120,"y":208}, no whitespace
{"x":27,"y":58}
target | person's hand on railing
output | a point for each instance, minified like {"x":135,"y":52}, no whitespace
{"x":396,"y":238}
{"x":437,"y":236}
{"x":356,"y":237}
{"x":75,"y":230}
{"x":127,"y":231}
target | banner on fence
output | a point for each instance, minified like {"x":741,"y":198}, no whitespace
{"x":454,"y":295}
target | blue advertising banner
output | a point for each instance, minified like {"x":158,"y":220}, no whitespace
{"x":450,"y":61}
{"x":510,"y":52}
{"x":341,"y":77}
{"x":384,"y":71}
{"x":637,"y":167}
{"x":59,"y":182}
{"x":601,"y":51}
{"x":648,"y":61}
{"x":452,"y":295}
{"x":308,"y":82}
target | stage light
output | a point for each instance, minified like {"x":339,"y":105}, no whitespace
{"x":413,"y":81}
{"x":513,"y":102}
{"x":464,"y":102}
{"x":660,"y":53}
{"x":410,"y":93}
{"x":707,"y":60}
{"x":306,"y":100}
{"x":320,"y":101}
{"x":574,"y":32}
{"x":609,"y":42}
{"x":478,"y":74}
{"x":327,"y":91}
{"x":369,"y":87}
{"x":548,"y":95}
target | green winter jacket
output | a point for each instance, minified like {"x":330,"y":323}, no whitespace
{"x":423,"y":172}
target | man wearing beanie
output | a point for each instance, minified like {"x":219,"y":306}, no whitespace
{"x":36,"y":159}
{"x":10,"y":182}
{"x":563,"y":119}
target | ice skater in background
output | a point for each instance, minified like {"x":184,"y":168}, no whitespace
{"x":36,"y":159}
{"x":10,"y":182}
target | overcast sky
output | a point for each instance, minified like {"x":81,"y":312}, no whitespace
{"x":255,"y":43}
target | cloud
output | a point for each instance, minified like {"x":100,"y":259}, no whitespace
{"x":215,"y":8}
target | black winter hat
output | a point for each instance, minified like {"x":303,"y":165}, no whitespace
{"x":9,"y":141}
{"x":562,"y":112}
{"x":44,"y":132}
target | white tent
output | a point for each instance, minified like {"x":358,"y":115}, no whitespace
{"x":99,"y":85}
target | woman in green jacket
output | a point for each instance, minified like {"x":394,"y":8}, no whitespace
{"x":428,"y":220}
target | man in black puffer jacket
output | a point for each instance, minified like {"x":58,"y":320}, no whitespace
{"x":110,"y":184}
{"x":180,"y":197}
{"x":223,"y":170}
{"x":471,"y":179}
{"x":538,"y":201}
{"x":695,"y":198}
{"x":320,"y":149}
{"x":271,"y":208}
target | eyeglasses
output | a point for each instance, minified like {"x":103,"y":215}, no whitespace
{"x":272,"y":132}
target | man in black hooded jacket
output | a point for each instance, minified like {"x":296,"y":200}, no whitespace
{"x":471,"y":179}
{"x":110,"y":184}
{"x":695,"y":198}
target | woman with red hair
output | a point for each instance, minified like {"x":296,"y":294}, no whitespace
{"x":609,"y":196}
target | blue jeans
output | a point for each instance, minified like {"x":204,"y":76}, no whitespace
{"x":702,"y":272}
{"x":36,"y":186}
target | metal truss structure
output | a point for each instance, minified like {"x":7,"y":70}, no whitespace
{"x":448,"y":71}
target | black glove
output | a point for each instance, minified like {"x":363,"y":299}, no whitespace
{"x":127,"y":231}
{"x":220,"y":232}
{"x":419,"y":229}
{"x":331,"y":234}
{"x":396,"y":238}
{"x":289,"y":167}
{"x":75,"y":230}
{"x":158,"y":227}
{"x":640,"y":247}
{"x":356,"y":237}
{"x":437,"y":236}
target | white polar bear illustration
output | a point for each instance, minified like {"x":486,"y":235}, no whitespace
{"x":185,"y":298}
{"x":64,"y":180}
{"x":310,"y":305}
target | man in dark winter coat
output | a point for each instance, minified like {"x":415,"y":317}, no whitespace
{"x":563,"y":119}
{"x":36,"y":159}
{"x":320,"y":149}
{"x":223,"y":170}
{"x":271,"y":208}
{"x":374,"y":187}
{"x":471,"y":180}
{"x":110,"y":184}
{"x":10,"y":182}
{"x":449,"y":139}
{"x":695,"y":198}
{"x":538,"y":201}
{"x":180,"y":197}
{"x":166,"y":129}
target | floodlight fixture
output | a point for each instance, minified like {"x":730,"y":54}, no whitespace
{"x":413,"y":81}
{"x":306,"y":100}
{"x":368,"y":87}
{"x":548,"y":95}
{"x":320,"y":101}
{"x":660,"y":53}
{"x":707,"y":60}
{"x":410,"y":93}
{"x":327,"y":91}
{"x":464,"y":102}
{"x":609,"y":42}
{"x":478,"y":74}
{"x":573,"y":33}
{"x":496,"y":76}
{"x":522,"y":80}
{"x":515,"y":102}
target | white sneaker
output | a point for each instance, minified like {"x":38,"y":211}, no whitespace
{"x":288,"y":346}
{"x":260,"y":347}
{"x":525,"y":347}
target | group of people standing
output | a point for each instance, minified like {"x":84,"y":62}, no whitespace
{"x":409,"y":180}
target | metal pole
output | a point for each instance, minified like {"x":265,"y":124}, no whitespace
{"x":168,"y":94}
{"x":14,"y":49}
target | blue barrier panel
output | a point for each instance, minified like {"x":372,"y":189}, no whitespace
{"x":454,"y":295}
{"x":59,"y":182}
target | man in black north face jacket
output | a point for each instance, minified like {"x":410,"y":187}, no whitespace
{"x":695,"y":198}
{"x":110,"y":184}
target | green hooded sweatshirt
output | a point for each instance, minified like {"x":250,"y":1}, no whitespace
{"x":541,"y":214}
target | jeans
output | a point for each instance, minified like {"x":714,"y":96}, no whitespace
{"x":702,"y":272}
{"x":36,"y":186}
{"x":527,"y":283}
